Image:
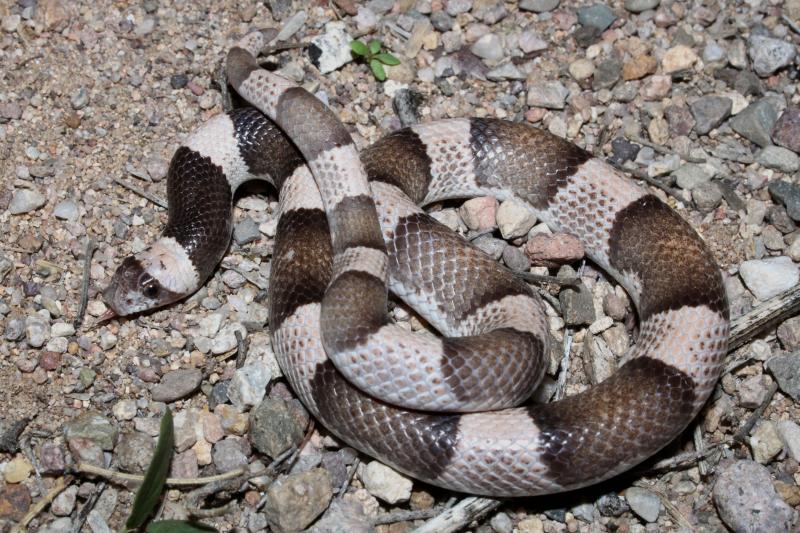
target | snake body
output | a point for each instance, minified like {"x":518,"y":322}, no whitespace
{"x":350,"y":227}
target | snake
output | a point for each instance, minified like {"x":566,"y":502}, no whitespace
{"x":452,"y":410}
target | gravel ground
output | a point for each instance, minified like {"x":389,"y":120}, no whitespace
{"x":699,"y":97}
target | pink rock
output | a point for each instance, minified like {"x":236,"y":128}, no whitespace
{"x":656,"y":87}
{"x":479,"y":213}
{"x":553,"y":250}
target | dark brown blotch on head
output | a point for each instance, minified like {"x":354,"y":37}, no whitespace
{"x":354,"y":222}
{"x":264,"y":148}
{"x":426,"y":255}
{"x":301,"y":263}
{"x":676,"y":269}
{"x":309,"y":123}
{"x":512,"y":361}
{"x":413,"y":442}
{"x":624,"y":419}
{"x":240,"y":63}
{"x":354,"y":308}
{"x":200,"y":209}
{"x":400,"y":159}
{"x":532,"y":162}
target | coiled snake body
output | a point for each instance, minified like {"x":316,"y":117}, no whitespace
{"x":341,"y":241}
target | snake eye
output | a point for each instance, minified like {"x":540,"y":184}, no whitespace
{"x":151,"y":290}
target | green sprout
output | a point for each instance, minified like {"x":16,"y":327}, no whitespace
{"x":372,"y":55}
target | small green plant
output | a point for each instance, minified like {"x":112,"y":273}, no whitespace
{"x":149,"y":492}
{"x":371,"y":54}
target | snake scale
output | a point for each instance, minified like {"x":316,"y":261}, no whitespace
{"x":350,"y":229}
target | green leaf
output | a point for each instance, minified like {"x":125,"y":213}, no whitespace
{"x":387,"y":59}
{"x":178,"y":526}
{"x":374,"y":46}
{"x":150,"y":492}
{"x":359,"y":48}
{"x":377,"y":69}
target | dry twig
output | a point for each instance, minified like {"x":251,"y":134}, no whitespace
{"x":141,"y":192}
{"x":460,"y":515}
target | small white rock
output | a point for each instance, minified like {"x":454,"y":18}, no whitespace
{"x":514,"y":219}
{"x":385,"y":483}
{"x":248,"y":384}
{"x":124,"y":409}
{"x":769,"y":277}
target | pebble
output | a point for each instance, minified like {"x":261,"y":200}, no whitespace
{"x":276,"y":425}
{"x":755,"y":122}
{"x":25,"y":201}
{"x":501,"y":523}
{"x":37,"y":331}
{"x":145,"y":27}
{"x":746,"y":499}
{"x":538,"y":6}
{"x":638,"y":67}
{"x":294,"y":501}
{"x":107,"y":340}
{"x":280,"y":9}
{"x":789,"y":433}
{"x":691,"y":175}
{"x":581,"y":69}
{"x":125,"y":409}
{"x":713,"y":52}
{"x":66,"y":210}
{"x":547,"y":94}
{"x":506,"y":71}
{"x":786,"y":371}
{"x":598,"y":16}
{"x":530,"y":41}
{"x":607,"y":73}
{"x":385,"y":483}
{"x":769,"y":55}
{"x":515,"y":259}
{"x":17,"y":470}
{"x":15,"y":500}
{"x":64,"y":503}
{"x":11,"y":111}
{"x":778,"y":158}
{"x":249,"y":384}
{"x":638,"y":6}
{"x":531,"y":524}
{"x":514,"y":219}
{"x":134,"y":451}
{"x":93,"y":427}
{"x":553,"y":250}
{"x":769,"y":277}
{"x":343,"y":516}
{"x":786,"y":131}
{"x":612,"y":505}
{"x":765,"y":443}
{"x":225,"y":340}
{"x":176,"y":385}
{"x":79,"y":99}
{"x":788,"y":194}
{"x":457,"y":7}
{"x":11,"y":22}
{"x":709,"y":112}
{"x":479,"y":213}
{"x":228,"y":454}
{"x":680,"y":57}
{"x":707,"y":196}
{"x":246,"y":231}
{"x":331,"y":50}
{"x":51,"y":458}
{"x":577,"y":306}
{"x":490,"y":47}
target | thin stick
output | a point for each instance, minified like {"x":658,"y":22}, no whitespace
{"x":789,"y":22}
{"x":663,"y":149}
{"x":141,"y":192}
{"x":681,"y":460}
{"x":541,"y":278}
{"x":87,"y":276}
{"x":744,"y":431}
{"x":770,"y":312}
{"x":561,"y":382}
{"x":350,"y":474}
{"x":405,"y":516}
{"x":642,"y":175}
{"x":61,"y":484}
{"x":173,"y":481}
{"x":459,"y":516}
{"x":77,"y":525}
{"x":241,"y":349}
{"x":700,"y":445}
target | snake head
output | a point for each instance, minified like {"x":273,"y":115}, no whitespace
{"x":156,"y":277}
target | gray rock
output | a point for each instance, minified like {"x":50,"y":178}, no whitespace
{"x":248,"y":384}
{"x":583,"y":511}
{"x":753,"y":391}
{"x":228,"y":454}
{"x":280,"y":9}
{"x":291,"y":26}
{"x":769,"y":277}
{"x":25,"y":201}
{"x":764,"y":442}
{"x":786,"y":131}
{"x":491,"y":246}
{"x":707,"y":196}
{"x":691,"y":175}
{"x":786,"y":371}
{"x":501,"y":523}
{"x":246,"y":231}
{"x":769,"y":55}
{"x":94,"y":427}
{"x":789,"y":433}
{"x":539,"y":6}
{"x":66,"y":210}
{"x":612,"y":505}
{"x":331,"y":50}
{"x":442,"y":21}
{"x":637,"y":6}
{"x":547,"y":94}
{"x":276,"y":425}
{"x":59,"y":525}
{"x":530,"y":41}
{"x":64,"y":503}
{"x":490,"y":47}
{"x":37,"y":331}
{"x":385,"y":483}
{"x":597,"y":16}
{"x":135,"y":451}
{"x":789,"y":333}
{"x":779,"y":158}
{"x":709,"y":112}
{"x":788,"y":194}
{"x":343,"y":516}
{"x":755,"y":122}
{"x":506,"y":71}
{"x":79,"y":98}
{"x":578,"y":306}
{"x":456,"y":7}
{"x":746,"y":500}
{"x":515,"y":259}
{"x":294,"y":501}
{"x":176,"y":385}
{"x":713,"y":52}
{"x":644,"y":503}
{"x":607,"y":73}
